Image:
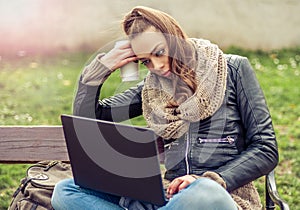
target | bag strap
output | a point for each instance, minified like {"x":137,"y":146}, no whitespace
{"x":45,"y":164}
{"x":22,"y":186}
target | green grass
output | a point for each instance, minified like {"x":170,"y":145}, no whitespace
{"x":35,"y":91}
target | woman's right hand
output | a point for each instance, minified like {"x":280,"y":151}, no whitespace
{"x":120,"y":55}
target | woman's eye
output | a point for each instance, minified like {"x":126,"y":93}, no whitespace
{"x":160,"y":52}
{"x":145,"y":62}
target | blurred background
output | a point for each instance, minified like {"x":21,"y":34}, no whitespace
{"x":47,"y":26}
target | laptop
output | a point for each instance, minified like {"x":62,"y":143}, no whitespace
{"x":114,"y":158}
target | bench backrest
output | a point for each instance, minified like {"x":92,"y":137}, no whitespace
{"x":28,"y":144}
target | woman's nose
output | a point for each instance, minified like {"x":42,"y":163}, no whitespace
{"x":157,"y":64}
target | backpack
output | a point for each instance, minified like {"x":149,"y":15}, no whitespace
{"x":35,"y":190}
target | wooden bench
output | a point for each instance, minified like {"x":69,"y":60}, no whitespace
{"x":30,"y":144}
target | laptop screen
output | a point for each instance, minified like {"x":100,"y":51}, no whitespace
{"x":114,"y":158}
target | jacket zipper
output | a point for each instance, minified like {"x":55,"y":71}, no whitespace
{"x":228,"y":139}
{"x":186,"y":153}
{"x":169,"y":145}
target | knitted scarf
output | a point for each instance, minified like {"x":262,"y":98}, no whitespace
{"x":210,"y":74}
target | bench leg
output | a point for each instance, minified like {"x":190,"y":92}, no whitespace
{"x":272,"y":196}
{"x":270,"y":205}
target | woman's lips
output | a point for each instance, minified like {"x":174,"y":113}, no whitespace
{"x":166,"y":74}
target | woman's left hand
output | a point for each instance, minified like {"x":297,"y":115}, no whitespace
{"x":179,"y":183}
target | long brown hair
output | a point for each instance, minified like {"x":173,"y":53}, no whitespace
{"x":181,"y":52}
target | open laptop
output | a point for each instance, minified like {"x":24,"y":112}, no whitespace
{"x":114,"y":158}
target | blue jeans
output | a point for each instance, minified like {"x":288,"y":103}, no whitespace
{"x":201,"y":194}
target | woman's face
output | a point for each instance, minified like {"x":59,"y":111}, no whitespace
{"x":152,"y":50}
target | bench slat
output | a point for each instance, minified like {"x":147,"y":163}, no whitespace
{"x":27,"y":144}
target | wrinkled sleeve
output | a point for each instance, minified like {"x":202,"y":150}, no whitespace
{"x":116,"y":108}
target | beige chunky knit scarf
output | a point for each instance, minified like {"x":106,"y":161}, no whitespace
{"x":172,"y":122}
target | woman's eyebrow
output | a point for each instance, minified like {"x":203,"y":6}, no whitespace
{"x":155,"y":48}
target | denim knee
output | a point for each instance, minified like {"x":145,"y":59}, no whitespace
{"x":209,"y":194}
{"x":202,"y":194}
{"x":58,"y":200}
{"x":69,"y":196}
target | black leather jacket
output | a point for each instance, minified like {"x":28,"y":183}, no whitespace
{"x":238,"y":141}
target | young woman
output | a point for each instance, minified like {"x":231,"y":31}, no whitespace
{"x":207,"y":106}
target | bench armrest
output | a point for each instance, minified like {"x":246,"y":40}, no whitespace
{"x":272,"y":196}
